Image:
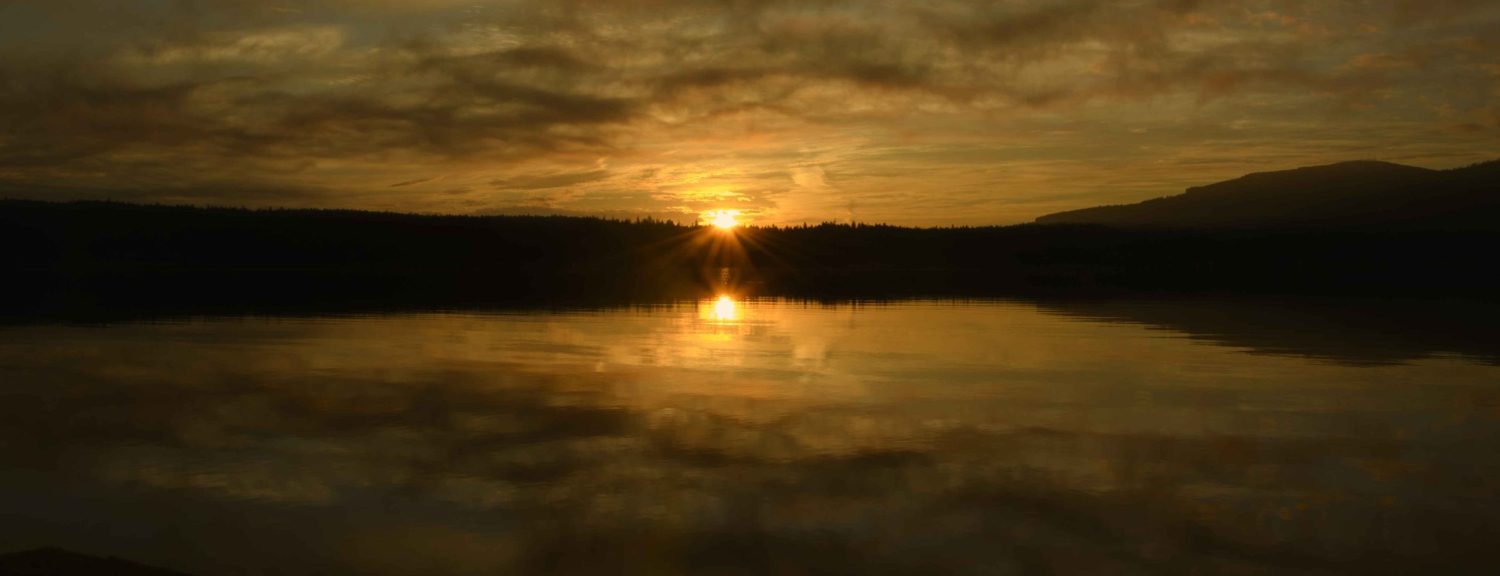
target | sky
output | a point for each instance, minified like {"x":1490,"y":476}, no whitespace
{"x":927,"y":113}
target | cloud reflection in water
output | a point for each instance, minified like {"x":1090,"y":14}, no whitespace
{"x":774,"y":438}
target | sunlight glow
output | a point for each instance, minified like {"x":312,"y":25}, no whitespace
{"x":723,"y":219}
{"x":726,"y":309}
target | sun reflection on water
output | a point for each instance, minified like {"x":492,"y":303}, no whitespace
{"x":725,"y":309}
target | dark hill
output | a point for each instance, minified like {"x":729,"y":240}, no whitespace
{"x":1348,"y":194}
{"x":58,"y":562}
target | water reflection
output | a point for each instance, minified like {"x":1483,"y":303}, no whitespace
{"x":725,"y":309}
{"x":779,"y":437}
{"x":1345,"y":330}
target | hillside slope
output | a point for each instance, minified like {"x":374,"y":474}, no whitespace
{"x":1365,"y":193}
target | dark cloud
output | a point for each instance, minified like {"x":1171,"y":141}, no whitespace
{"x":542,"y":182}
{"x":351,"y":95}
{"x":413,"y":182}
{"x":1422,"y":11}
{"x":202,"y":192}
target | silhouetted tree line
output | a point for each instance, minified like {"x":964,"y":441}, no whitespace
{"x":1094,"y":257}
{"x":107,"y":252}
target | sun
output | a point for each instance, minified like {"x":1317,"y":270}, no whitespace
{"x":724,"y":219}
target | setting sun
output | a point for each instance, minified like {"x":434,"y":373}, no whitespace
{"x":724,"y":219}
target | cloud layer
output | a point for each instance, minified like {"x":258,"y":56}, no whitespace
{"x":915,"y":113}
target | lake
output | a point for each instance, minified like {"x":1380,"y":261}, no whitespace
{"x":765,"y":436}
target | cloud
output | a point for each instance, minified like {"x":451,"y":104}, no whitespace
{"x":1408,"y":12}
{"x":543,"y":182}
{"x":350,"y":95}
{"x":267,"y":47}
{"x":414,"y":182}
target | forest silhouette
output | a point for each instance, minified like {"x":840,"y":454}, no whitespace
{"x":113,"y":256}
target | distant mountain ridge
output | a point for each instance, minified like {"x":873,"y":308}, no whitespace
{"x":1347,"y":194}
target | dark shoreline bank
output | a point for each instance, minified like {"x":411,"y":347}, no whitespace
{"x":101,"y":261}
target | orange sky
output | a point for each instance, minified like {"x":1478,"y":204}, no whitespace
{"x":919,"y":113}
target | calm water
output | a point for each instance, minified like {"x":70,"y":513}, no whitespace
{"x":760,"y":437}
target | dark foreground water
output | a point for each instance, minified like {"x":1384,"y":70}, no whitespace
{"x":763,"y":437}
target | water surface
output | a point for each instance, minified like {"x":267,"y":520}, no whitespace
{"x":727,"y":436}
